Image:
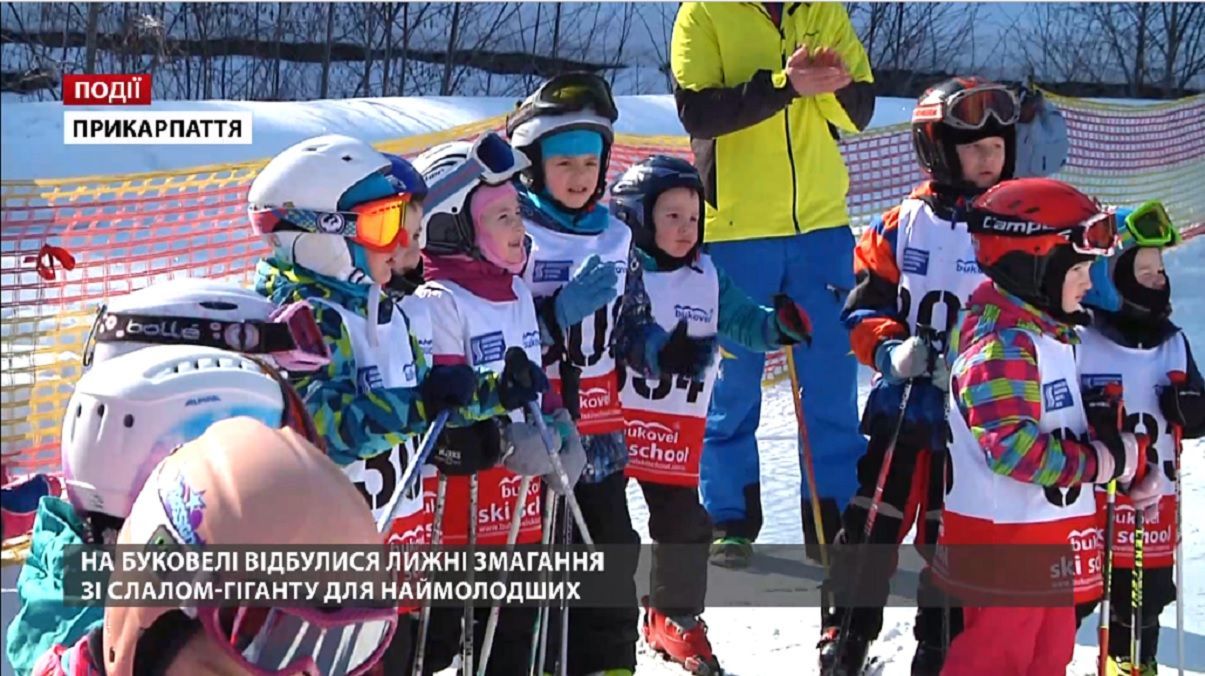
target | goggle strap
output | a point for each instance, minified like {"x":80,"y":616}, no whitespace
{"x":248,"y":337}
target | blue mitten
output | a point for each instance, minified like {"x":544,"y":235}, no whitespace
{"x":594,"y":285}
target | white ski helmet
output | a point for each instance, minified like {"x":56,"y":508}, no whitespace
{"x":568,"y":101}
{"x":130,"y":412}
{"x":452,"y":172}
{"x":312,"y":177}
{"x":194,"y":311}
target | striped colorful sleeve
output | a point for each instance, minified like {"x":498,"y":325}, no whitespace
{"x":996,"y":385}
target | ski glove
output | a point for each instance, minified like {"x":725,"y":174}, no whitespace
{"x":1182,"y":405}
{"x":462,"y":451}
{"x":1102,"y":406}
{"x":902,"y":360}
{"x":525,"y":451}
{"x":1146,"y":492}
{"x":593,"y":286}
{"x":1117,"y":458}
{"x":447,"y":387}
{"x":521,"y":382}
{"x":794,"y":325}
{"x":680,"y":354}
{"x":573,"y":454}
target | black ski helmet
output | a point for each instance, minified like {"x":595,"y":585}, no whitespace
{"x":936,"y":128}
{"x":636,"y":191}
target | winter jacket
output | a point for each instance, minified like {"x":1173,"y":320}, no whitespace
{"x":43,"y":620}
{"x":80,"y":658}
{"x":994,"y":382}
{"x":358,"y":424}
{"x":763,"y":151}
{"x":939,"y":263}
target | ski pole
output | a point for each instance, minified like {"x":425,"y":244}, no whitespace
{"x":562,"y":476}
{"x":1112,"y":391}
{"x":563,"y":662}
{"x":414,"y":471}
{"x":539,"y":640}
{"x":1102,"y":626}
{"x":1178,"y":379}
{"x":466,"y":632}
{"x":424,"y":617}
{"x":1136,"y":576}
{"x":512,"y":536}
{"x":805,"y":457}
{"x":847,"y":618}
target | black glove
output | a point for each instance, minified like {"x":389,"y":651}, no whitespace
{"x":521,"y":382}
{"x":684,"y":355}
{"x":447,"y":387}
{"x":1182,"y":405}
{"x":461,"y":451}
{"x":1102,"y":405}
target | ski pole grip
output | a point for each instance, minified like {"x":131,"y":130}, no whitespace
{"x":1177,"y":378}
{"x":1144,"y":442}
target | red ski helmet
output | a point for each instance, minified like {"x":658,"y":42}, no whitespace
{"x":1029,"y":232}
{"x":963,"y":110}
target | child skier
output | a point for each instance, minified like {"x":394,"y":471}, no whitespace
{"x":480,"y":308}
{"x":124,"y":416}
{"x":240,"y":483}
{"x":1025,"y":446}
{"x":915,"y":268}
{"x":661,"y":200}
{"x":1133,"y":342}
{"x":584,"y":275}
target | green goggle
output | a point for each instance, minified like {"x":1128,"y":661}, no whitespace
{"x":1149,"y":225}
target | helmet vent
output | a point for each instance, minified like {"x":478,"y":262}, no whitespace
{"x":128,"y":421}
{"x":218,"y":305}
{"x":347,"y":158}
{"x":100,"y":411}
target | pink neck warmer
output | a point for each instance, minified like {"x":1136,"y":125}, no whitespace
{"x":482,"y":198}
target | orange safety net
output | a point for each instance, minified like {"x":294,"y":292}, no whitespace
{"x":126,"y":232}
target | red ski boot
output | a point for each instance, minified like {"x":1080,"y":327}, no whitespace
{"x":681,"y":639}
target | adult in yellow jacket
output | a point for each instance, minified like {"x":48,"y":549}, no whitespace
{"x":763,"y":90}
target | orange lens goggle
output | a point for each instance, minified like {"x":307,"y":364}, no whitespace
{"x":379,"y":225}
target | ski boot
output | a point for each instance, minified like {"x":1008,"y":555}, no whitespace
{"x":852,"y":659}
{"x":928,"y":659}
{"x":681,"y":639}
{"x":731,"y":552}
{"x":1121,"y":666}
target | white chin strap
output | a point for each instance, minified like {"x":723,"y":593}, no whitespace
{"x":374,"y":313}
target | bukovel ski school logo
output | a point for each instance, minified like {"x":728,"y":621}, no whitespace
{"x":551,"y":271}
{"x":487,"y":348}
{"x":1057,"y":395}
{"x":916,"y":261}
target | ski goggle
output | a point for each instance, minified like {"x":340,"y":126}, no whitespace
{"x":290,"y":336}
{"x":379,"y":225}
{"x":1096,"y":236}
{"x":970,"y":109}
{"x":574,"y":92}
{"x":490,"y":160}
{"x":1149,"y":225}
{"x":289,"y":641}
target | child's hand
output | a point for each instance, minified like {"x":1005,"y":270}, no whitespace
{"x":462,"y":451}
{"x":685,"y":355}
{"x":794,"y":325}
{"x":595,"y":284}
{"x":447,"y":387}
{"x":521,"y":382}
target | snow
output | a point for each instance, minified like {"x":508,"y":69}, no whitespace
{"x":31,"y":139}
{"x":747,"y":641}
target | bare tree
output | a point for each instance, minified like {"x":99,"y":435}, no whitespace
{"x":1181,"y":44}
{"x":445,"y":86}
{"x":90,"y":36}
{"x":326,"y":53}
